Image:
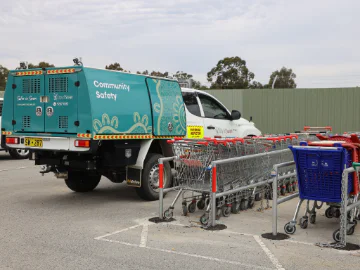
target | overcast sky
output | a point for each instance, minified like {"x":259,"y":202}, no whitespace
{"x":319,"y":39}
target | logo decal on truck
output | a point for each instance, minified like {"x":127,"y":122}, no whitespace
{"x":38,"y":111}
{"x":49,"y":111}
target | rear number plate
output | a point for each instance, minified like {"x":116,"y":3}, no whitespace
{"x":33,"y":142}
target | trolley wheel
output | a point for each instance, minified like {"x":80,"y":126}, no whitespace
{"x":294,"y":186}
{"x":337,"y":213}
{"x":251,"y":203}
{"x":289,"y":188}
{"x":243,"y":205}
{"x":201,"y":204}
{"x":218,"y":213}
{"x":313,"y":219}
{"x":289,"y":228}
{"x":235,"y":208}
{"x":192,"y":207}
{"x":270,"y":195}
{"x":226,"y":211}
{"x":258,"y":197}
{"x":283,"y":191}
{"x":184,"y":210}
{"x":329,"y":213}
{"x":351,"y":230}
{"x":204,"y":219}
{"x":168,"y":214}
{"x":336,"y":235}
{"x":304,"y":222}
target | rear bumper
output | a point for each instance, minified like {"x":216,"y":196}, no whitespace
{"x":49,"y":144}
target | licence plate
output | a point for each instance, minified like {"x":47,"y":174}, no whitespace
{"x":33,"y":142}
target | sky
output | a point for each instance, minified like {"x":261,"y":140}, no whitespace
{"x":319,"y":39}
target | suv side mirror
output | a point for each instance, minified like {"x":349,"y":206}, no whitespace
{"x":235,"y":115}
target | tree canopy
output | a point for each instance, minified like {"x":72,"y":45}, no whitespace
{"x":285,"y":78}
{"x":3,"y":77}
{"x":41,"y":64}
{"x":114,"y":66}
{"x":230,"y":73}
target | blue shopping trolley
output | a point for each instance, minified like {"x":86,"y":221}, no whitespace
{"x":319,"y":171}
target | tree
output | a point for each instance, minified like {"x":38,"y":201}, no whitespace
{"x":230,"y":73}
{"x":159,"y":74}
{"x":285,"y":78}
{"x":3,"y":77}
{"x":180,"y":75}
{"x":256,"y":85}
{"x":41,"y":64}
{"x":115,"y":66}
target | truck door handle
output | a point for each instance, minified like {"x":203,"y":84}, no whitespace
{"x":210,"y":127}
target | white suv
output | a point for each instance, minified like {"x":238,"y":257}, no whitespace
{"x":204,"y":110}
{"x":14,"y":153}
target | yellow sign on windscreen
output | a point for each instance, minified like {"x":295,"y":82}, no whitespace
{"x":195,"y":132}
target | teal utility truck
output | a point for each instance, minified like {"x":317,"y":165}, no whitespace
{"x":83,"y":123}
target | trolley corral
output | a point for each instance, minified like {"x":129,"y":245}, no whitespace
{"x":224,"y":176}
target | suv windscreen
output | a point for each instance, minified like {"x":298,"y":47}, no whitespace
{"x":191,"y":103}
{"x":212,"y":109}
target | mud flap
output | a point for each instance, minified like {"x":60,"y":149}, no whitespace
{"x":133,"y":177}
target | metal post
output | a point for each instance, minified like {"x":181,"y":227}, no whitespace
{"x":344,"y":197}
{"x":213,"y":196}
{"x":274,"y":202}
{"x":161,"y":188}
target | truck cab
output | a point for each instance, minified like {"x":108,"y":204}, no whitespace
{"x":83,"y":123}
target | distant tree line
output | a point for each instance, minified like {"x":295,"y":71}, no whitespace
{"x":229,"y":73}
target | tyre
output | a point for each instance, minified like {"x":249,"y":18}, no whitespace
{"x":251,"y":203}
{"x":201,"y":204}
{"x":243,"y":205}
{"x":336,"y":235}
{"x":313,"y":219}
{"x":149,"y":189}
{"x":204,"y":219}
{"x":329,"y":213}
{"x":283,"y":191}
{"x":80,"y":181}
{"x":289,"y":188}
{"x":304,"y":223}
{"x":192,"y":207}
{"x":184,"y":210}
{"x":258,"y":197}
{"x":168,"y":214}
{"x":19,"y":153}
{"x":351,"y":230}
{"x":289,"y":228}
{"x":337,"y":213}
{"x":226,"y":211}
{"x":235,"y":208}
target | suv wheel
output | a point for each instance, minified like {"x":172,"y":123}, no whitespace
{"x":19,"y":153}
{"x":149,"y":189}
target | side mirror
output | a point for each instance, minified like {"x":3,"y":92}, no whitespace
{"x":235,"y":115}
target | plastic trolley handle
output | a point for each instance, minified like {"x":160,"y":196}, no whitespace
{"x":355,"y":165}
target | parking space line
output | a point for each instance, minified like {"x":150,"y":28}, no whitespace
{"x":144,"y":236}
{"x":267,"y":251}
{"x":120,"y":231}
{"x":210,"y":258}
{"x":18,"y":168}
{"x":117,"y":242}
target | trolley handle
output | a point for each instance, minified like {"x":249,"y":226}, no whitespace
{"x":355,"y":165}
{"x":170,"y":141}
{"x":203,"y":143}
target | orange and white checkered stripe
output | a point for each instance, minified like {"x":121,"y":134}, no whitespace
{"x":6,"y":133}
{"x":29,"y":73}
{"x":61,"y":71}
{"x":131,"y":137}
{"x":84,"y":135}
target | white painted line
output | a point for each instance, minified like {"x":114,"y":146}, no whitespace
{"x":251,"y":266}
{"x":144,"y":236}
{"x":299,"y":242}
{"x":123,"y":230}
{"x":267,"y":251}
{"x":231,"y":232}
{"x":14,"y":169}
{"x":118,"y":242}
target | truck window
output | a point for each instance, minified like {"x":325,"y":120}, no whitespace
{"x":191,"y":103}
{"x":212,"y":109}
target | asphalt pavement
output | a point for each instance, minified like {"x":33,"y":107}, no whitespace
{"x":44,"y":225}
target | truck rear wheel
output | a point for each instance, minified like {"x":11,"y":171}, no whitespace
{"x":19,"y":153}
{"x":80,"y":181}
{"x":149,"y":189}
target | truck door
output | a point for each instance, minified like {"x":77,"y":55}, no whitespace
{"x":28,"y":90}
{"x":60,"y":112}
{"x":168,"y":111}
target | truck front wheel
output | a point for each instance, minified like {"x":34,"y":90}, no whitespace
{"x":80,"y":181}
{"x":149,"y":189}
